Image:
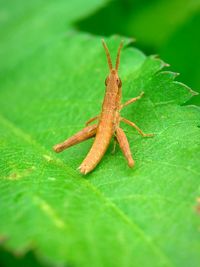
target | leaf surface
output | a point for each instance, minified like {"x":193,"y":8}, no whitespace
{"x":32,"y":25}
{"x":115,"y":216}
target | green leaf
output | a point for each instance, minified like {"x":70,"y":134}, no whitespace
{"x":157,"y":20}
{"x":52,"y":81}
{"x":176,"y":50}
{"x":168,"y":28}
{"x":8,"y":260}
{"x":115,"y":216}
{"x":33,"y":25}
{"x":151,"y":22}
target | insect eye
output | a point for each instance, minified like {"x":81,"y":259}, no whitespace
{"x":106,"y":81}
{"x":119,"y":83}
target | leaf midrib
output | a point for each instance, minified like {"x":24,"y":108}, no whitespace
{"x":134,"y":226}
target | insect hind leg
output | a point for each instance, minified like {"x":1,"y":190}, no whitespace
{"x":124,"y":145}
{"x":86,"y":133}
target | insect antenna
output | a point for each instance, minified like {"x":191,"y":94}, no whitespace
{"x":107,"y":54}
{"x":118,"y":56}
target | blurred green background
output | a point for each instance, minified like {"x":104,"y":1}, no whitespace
{"x":169,"y":28}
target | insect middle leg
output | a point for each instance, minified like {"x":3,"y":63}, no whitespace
{"x":91,"y":120}
{"x":114,"y":145}
{"x":136,"y":127}
{"x":132,"y":100}
{"x":124,"y":145}
{"x":79,"y":137}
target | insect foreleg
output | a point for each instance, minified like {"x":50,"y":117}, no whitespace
{"x":132,"y":100}
{"x":124,"y":145}
{"x":136,"y":127}
{"x":79,"y":137}
{"x":91,"y":120}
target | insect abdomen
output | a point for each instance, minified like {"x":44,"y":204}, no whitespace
{"x":99,"y":147}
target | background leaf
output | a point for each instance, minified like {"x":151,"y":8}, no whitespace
{"x":8,"y":260}
{"x":30,"y":26}
{"x":182,"y":51}
{"x":165,"y":27}
{"x":152,"y":22}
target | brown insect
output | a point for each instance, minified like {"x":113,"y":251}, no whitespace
{"x":108,"y":122}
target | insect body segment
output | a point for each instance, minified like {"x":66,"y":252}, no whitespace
{"x":108,"y":122}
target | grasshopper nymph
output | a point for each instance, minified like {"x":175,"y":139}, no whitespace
{"x":108,"y":124}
